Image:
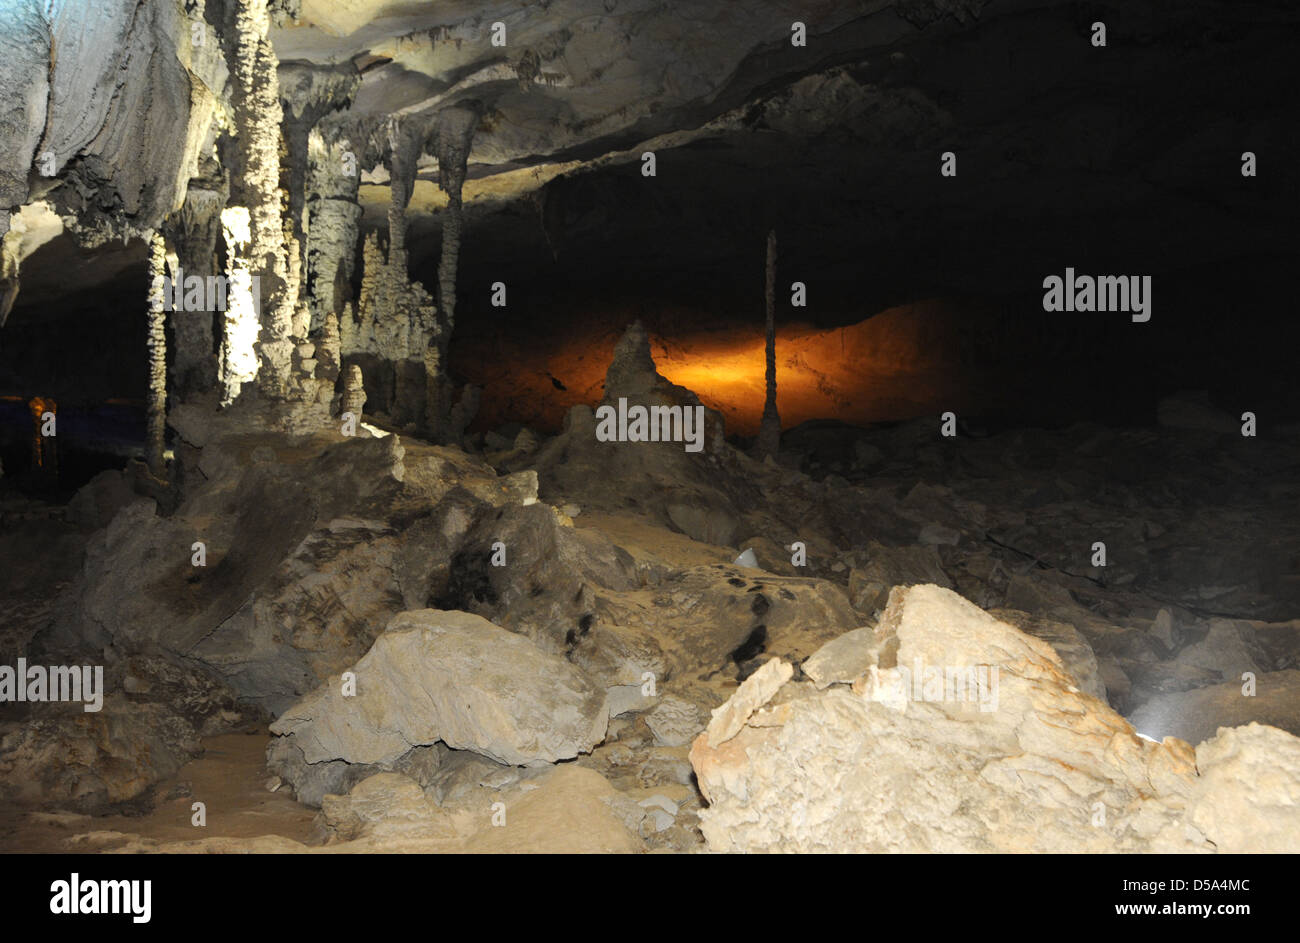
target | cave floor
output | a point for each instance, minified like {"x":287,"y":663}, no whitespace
{"x":1200,"y":585}
{"x":230,"y":776}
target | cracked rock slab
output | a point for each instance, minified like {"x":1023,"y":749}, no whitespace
{"x":451,"y":676}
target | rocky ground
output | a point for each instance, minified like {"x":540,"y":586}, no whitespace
{"x":561,"y":644}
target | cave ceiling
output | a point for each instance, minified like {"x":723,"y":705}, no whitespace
{"x":836,"y":144}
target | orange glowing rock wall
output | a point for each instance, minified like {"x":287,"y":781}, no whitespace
{"x":901,"y":363}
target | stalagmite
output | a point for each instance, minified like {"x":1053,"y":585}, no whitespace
{"x":347,"y":330}
{"x":157,"y":340}
{"x":329,"y":356}
{"x":354,"y":391}
{"x":455,"y":132}
{"x":397,"y":316}
{"x":769,"y":432}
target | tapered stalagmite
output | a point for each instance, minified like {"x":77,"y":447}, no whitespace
{"x":157,"y":342}
{"x":769,"y":432}
{"x":354,"y":391}
{"x":329,"y":354}
{"x":455,"y":132}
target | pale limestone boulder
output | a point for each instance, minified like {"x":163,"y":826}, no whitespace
{"x":1248,"y":798}
{"x":753,"y":693}
{"x":1068,"y":642}
{"x":451,"y":676}
{"x":845,"y":659}
{"x":1025,"y":763}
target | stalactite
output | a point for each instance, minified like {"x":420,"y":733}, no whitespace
{"x":769,"y":432}
{"x":155,"y":439}
{"x":307,"y":95}
{"x":455,"y":133}
{"x":405,"y":142}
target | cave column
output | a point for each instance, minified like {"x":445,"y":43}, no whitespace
{"x":156,"y":410}
{"x":258,"y":116}
{"x":191,"y":253}
{"x":455,"y":133}
{"x":413,"y":315}
{"x":769,"y":430}
{"x":334,"y":220}
{"x":240,"y":321}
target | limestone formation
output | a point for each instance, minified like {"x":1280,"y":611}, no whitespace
{"x":396,"y":319}
{"x":157,"y":340}
{"x":455,"y":130}
{"x":456,"y":678}
{"x":317,"y":174}
{"x":965,"y":735}
{"x":354,"y":392}
{"x":329,"y":352}
{"x":258,"y":116}
{"x":333,"y":224}
{"x":240,"y":321}
{"x":194,"y":234}
{"x":432,"y":595}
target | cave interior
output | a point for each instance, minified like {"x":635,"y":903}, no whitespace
{"x":624,"y":395}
